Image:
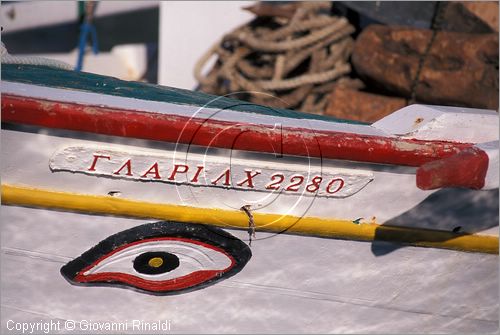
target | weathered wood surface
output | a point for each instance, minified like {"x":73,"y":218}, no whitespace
{"x":460,"y":69}
{"x":292,"y":284}
{"x":469,"y":16}
{"x":486,"y":11}
{"x":347,"y":103}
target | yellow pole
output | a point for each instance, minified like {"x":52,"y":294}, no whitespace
{"x":344,"y":229}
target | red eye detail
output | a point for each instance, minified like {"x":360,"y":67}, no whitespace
{"x":146,"y":258}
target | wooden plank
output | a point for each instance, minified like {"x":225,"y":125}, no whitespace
{"x":243,"y":136}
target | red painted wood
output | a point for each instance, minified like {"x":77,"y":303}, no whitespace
{"x":225,"y":134}
{"x":466,"y":169}
{"x":174,"y":284}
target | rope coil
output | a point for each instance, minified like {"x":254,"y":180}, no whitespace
{"x":290,"y":61}
{"x":7,"y":58}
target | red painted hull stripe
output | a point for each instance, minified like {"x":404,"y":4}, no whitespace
{"x":224,"y":134}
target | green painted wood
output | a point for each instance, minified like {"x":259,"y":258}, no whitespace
{"x":89,"y":82}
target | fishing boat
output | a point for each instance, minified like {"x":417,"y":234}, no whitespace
{"x":164,"y":191}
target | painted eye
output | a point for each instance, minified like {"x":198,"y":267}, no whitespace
{"x":161,"y":258}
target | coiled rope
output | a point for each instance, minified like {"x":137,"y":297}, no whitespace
{"x":292,"y":61}
{"x":31,"y":60}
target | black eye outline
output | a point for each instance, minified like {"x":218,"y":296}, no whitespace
{"x":207,"y":236}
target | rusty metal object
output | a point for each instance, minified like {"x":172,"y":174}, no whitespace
{"x":459,"y":69}
{"x":346,"y":103}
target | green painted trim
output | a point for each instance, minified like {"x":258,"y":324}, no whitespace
{"x":89,"y":82}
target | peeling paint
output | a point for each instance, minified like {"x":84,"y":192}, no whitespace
{"x":225,"y":134}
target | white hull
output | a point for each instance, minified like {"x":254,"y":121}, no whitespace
{"x":292,"y":284}
{"x":26,"y":159}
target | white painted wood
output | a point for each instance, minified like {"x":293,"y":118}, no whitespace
{"x":425,"y":122}
{"x":492,"y":175}
{"x":292,"y":284}
{"x":25,"y":161}
{"x":211,"y":171}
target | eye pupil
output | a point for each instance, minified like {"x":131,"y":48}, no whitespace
{"x":155,"y":262}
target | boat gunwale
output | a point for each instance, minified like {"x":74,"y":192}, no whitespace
{"x":322,"y":144}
